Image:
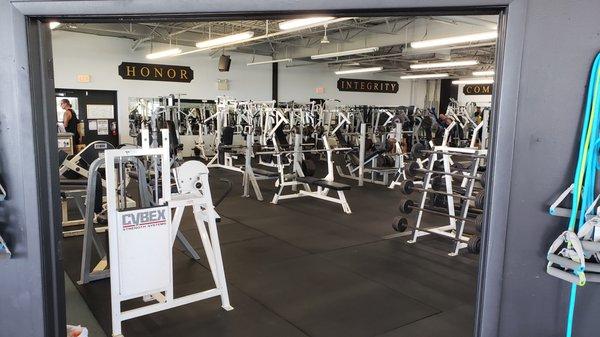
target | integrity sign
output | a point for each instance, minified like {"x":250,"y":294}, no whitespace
{"x":352,"y":84}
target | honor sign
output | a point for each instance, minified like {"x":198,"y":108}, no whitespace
{"x":351,"y":84}
{"x":155,"y":72}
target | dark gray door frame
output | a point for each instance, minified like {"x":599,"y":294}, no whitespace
{"x":31,"y":38}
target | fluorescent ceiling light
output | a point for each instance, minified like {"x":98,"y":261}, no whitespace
{"x":269,"y":61}
{"x":225,"y":40}
{"x":455,"y":40}
{"x":483,"y":73}
{"x":359,"y":70}
{"x":345,"y":53}
{"x":54,"y":24}
{"x":413,"y":77}
{"x":164,"y":53}
{"x":444,"y":64}
{"x":474,"y":81}
{"x":298,"y":23}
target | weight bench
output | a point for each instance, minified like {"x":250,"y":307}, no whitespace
{"x":332,"y":185}
{"x":265,"y":174}
{"x":323,"y":185}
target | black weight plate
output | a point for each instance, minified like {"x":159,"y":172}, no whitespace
{"x":400,"y":224}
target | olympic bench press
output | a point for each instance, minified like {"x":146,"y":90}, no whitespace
{"x":323,"y":185}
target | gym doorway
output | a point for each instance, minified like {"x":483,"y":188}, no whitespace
{"x":346,"y":154}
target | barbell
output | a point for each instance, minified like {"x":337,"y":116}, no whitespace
{"x":437,"y":200}
{"x":420,"y":151}
{"x":303,"y":151}
{"x":407,"y":206}
{"x":400,"y":224}
{"x":414,"y":169}
{"x":408,"y":187}
{"x":437,"y":183}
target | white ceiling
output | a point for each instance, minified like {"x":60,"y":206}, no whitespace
{"x":391,"y":34}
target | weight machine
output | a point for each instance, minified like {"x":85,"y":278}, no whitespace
{"x":298,"y":178}
{"x":141,"y":240}
{"x":248,"y":113}
{"x":368,"y":167}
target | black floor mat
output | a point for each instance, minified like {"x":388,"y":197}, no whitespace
{"x":305,"y":268}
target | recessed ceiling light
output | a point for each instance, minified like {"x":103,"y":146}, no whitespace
{"x":414,"y":77}
{"x":474,"y":81}
{"x":455,"y":40}
{"x":359,"y":70}
{"x":449,"y":64}
{"x":345,"y":53}
{"x":299,"y":23}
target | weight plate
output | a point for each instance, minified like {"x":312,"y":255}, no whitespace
{"x":406,"y":206}
{"x":480,"y":200}
{"x":417,"y":151}
{"x":474,"y":244}
{"x":407,"y":187}
{"x":413,"y":169}
{"x":483,"y":178}
{"x":400,"y":224}
{"x":478,"y":222}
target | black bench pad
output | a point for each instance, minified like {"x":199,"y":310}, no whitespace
{"x":73,"y":182}
{"x":266,"y":173}
{"x":332,"y":185}
{"x":307,"y":180}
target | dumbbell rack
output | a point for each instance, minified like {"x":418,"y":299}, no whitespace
{"x":455,"y":228}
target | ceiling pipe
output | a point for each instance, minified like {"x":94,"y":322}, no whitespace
{"x":266,"y":36}
{"x":474,"y":21}
{"x":138,"y":42}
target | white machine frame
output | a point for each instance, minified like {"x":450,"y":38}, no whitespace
{"x":161,"y":288}
{"x":320,"y":193}
{"x":455,"y":227}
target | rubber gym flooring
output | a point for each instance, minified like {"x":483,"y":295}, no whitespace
{"x":305,"y":268}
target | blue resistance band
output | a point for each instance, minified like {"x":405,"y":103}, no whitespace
{"x":589,"y":164}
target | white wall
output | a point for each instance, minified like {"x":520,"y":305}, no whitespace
{"x":480,"y":100}
{"x":300,"y":83}
{"x":98,"y":56}
{"x":76,"y":53}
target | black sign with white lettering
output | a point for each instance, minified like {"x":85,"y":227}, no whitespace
{"x":477,"y":89}
{"x":351,"y":84}
{"x":155,"y":72}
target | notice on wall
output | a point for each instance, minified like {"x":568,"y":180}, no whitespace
{"x":100,"y":111}
{"x":92,"y":125}
{"x":102,"y":125}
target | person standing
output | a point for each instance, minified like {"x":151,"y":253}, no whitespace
{"x":70,"y":121}
{"x":478,"y":115}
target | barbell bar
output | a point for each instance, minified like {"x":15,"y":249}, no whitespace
{"x":414,"y":168}
{"x":407,"y":206}
{"x":440,"y":201}
{"x":408,"y":187}
{"x":400,"y":224}
{"x":437,"y":183}
{"x":304,"y":151}
{"x":420,"y":151}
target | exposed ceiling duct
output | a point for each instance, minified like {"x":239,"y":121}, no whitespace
{"x":390,"y":35}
